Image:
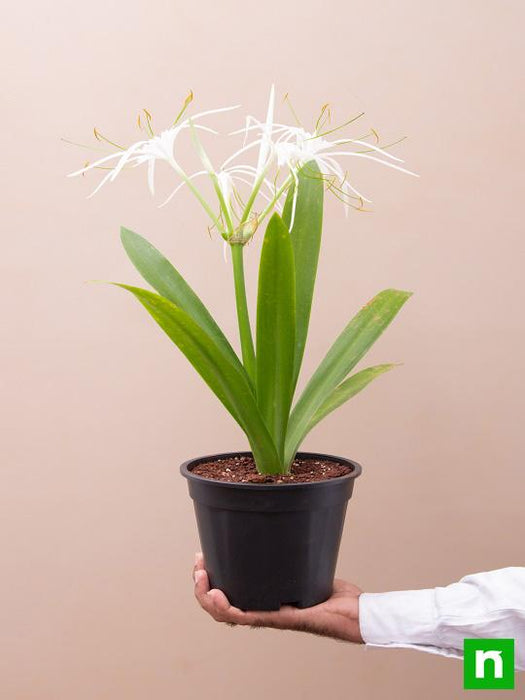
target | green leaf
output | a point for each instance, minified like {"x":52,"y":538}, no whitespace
{"x":169,"y":283}
{"x":306,"y":240}
{"x":348,"y":389}
{"x":225,"y":378}
{"x":355,"y":340}
{"x":276,"y":330}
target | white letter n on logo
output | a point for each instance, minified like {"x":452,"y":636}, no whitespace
{"x":481,"y":658}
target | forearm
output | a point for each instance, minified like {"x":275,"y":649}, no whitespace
{"x":486,"y":605}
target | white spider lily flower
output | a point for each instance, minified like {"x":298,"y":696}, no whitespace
{"x":160,"y":147}
{"x":293,"y":147}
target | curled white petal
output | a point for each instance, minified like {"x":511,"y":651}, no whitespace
{"x":215,"y":111}
{"x":375,"y":148}
{"x":377,"y":160}
{"x":180,"y":186}
{"x":237,"y":153}
{"x":267,"y":133}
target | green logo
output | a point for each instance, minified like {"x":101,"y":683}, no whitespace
{"x":488,"y":663}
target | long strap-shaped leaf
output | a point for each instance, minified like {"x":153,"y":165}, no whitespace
{"x":355,"y":340}
{"x":169,"y":283}
{"x":225,"y":378}
{"x":306,"y":241}
{"x":276,"y":330}
{"x":348,"y":389}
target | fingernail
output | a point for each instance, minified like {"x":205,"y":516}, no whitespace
{"x":198,"y":557}
{"x":198,"y":575}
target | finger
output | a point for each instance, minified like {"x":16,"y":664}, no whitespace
{"x":223,"y":611}
{"x":287,"y":617}
{"x":199,"y":563}
{"x":202,"y":586}
{"x":213,"y":601}
{"x":341,"y":586}
{"x":218,"y":606}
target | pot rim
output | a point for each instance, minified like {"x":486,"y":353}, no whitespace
{"x":187,"y":473}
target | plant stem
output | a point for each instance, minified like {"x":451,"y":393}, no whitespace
{"x":280,"y":191}
{"x":180,"y":172}
{"x":243,"y":317}
{"x":257,"y":186}
{"x":213,"y":177}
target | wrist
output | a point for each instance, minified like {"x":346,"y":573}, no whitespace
{"x":358,"y":633}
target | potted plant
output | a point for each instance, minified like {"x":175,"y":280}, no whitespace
{"x":270,"y":520}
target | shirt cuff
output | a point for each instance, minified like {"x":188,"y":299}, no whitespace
{"x":399,"y":617}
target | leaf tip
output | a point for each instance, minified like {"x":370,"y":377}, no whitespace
{"x":127,"y":237}
{"x":404,"y":294}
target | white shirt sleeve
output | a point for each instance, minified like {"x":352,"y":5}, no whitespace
{"x":488,"y":605}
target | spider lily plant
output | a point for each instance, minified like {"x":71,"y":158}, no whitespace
{"x":283,"y":188}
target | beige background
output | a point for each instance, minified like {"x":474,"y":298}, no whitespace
{"x":99,"y":409}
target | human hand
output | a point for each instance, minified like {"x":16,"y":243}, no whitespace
{"x":337,"y":617}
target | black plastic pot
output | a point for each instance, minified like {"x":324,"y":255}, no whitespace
{"x":267,"y":545}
